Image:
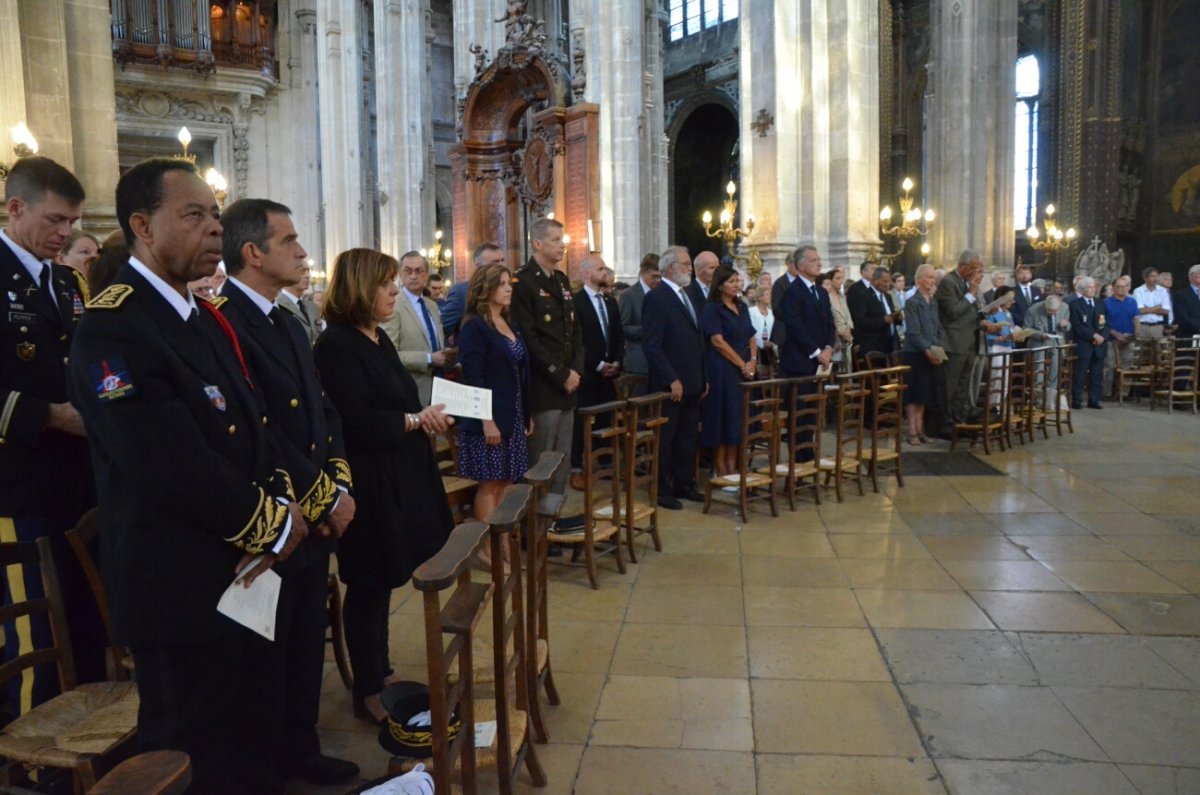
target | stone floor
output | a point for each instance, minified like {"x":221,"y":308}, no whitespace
{"x":1033,"y":632}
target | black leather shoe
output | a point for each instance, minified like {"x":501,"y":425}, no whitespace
{"x":325,"y":770}
{"x":691,"y":495}
{"x":1095,"y":406}
{"x":1075,"y":405}
{"x":670,"y":503}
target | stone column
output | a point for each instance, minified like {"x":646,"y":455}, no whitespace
{"x":809,"y":127}
{"x":12,"y":78}
{"x":342,"y":185}
{"x":43,"y":33}
{"x":655,"y":144}
{"x":300,"y":113}
{"x":969,"y":155}
{"x":475,"y":23}
{"x":93,"y":114}
{"x":402,"y":104}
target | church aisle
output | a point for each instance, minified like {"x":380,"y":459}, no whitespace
{"x":1033,"y":630}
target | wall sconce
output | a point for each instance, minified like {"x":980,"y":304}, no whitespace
{"x":218,"y":185}
{"x":913,"y":223}
{"x":24,"y":145}
{"x":731,"y":234}
{"x":185,"y":138}
{"x":437,"y":256}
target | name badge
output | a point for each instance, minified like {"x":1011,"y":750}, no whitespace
{"x":22,"y":318}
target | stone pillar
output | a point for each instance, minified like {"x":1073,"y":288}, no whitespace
{"x":475,"y":23}
{"x":47,"y":86}
{"x":809,"y":127}
{"x":968,"y":149}
{"x":303,"y":127}
{"x":93,"y":114}
{"x":12,"y":78}
{"x":402,"y":104}
{"x":342,"y":183}
{"x":655,"y":143}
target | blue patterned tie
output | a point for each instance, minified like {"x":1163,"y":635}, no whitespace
{"x":429,"y":329}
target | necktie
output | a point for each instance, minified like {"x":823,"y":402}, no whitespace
{"x":603,"y":314}
{"x":47,"y":291}
{"x":303,"y":312}
{"x":429,"y":330}
{"x":279,"y":319}
{"x":1025,"y":289}
{"x":687,"y":304}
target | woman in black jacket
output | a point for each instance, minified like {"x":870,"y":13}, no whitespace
{"x":402,"y":517}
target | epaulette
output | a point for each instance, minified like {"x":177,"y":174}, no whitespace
{"x":84,"y":292}
{"x":111,"y":298}
{"x":218,"y":301}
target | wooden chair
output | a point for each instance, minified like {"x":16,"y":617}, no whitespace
{"x":76,"y":729}
{"x":451,"y":617}
{"x":1175,"y":376}
{"x":849,"y":414}
{"x":1017,"y":399}
{"x":803,"y":406}
{"x":337,"y":632}
{"x":603,"y":492}
{"x":1139,"y":373}
{"x":629,"y":386}
{"x":990,"y":427}
{"x":644,"y":420}
{"x":1042,"y":392}
{"x":82,"y":538}
{"x":151,"y":773}
{"x":537,"y":614}
{"x":761,"y":405}
{"x":886,"y":422}
{"x":1059,"y":415}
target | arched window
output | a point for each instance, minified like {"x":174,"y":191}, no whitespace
{"x":693,"y":16}
{"x":1029,"y":88}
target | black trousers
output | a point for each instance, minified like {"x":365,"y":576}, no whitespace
{"x":1089,"y":372}
{"x":365,"y":619}
{"x":207,"y":699}
{"x":300,"y":652}
{"x":677,"y":445}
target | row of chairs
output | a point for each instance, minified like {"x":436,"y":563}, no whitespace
{"x":1167,"y":369}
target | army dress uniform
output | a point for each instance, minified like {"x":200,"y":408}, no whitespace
{"x":543,"y":310}
{"x":306,"y":428}
{"x":187,"y":484}
{"x":45,"y":474}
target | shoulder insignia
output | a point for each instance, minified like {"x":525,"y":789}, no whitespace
{"x":218,"y":302}
{"x":81,"y":282}
{"x":111,"y":298}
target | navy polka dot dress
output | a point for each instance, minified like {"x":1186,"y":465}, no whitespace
{"x":508,"y":460}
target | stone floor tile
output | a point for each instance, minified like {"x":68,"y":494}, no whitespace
{"x":663,"y":712}
{"x":1168,"y":780}
{"x":1100,"y":661}
{"x":824,"y":653}
{"x":1185,"y":574}
{"x":793,"y":572}
{"x":1037,"y":524}
{"x":955,"y":656}
{"x":1068,"y":548}
{"x":577,"y":602}
{"x":780,"y":774}
{"x":950,"y":524}
{"x":1107,"y":523}
{"x":890,"y":546}
{"x":904,"y":575}
{"x":1005,"y":501}
{"x":690,"y":541}
{"x":582,"y":646}
{"x":921,"y":610}
{"x":932,"y":503}
{"x":1044,"y":612}
{"x":1136,"y":726}
{"x":689,"y":569}
{"x":770,"y":605}
{"x":1182,"y":653}
{"x":681,"y":650}
{"x":1151,"y":614}
{"x":997,"y":722}
{"x":686,"y":604}
{"x":1121,"y":576}
{"x":1004,"y":575}
{"x":785,"y":544}
{"x":862,"y":520}
{"x":836,"y":718}
{"x":982,"y":777}
{"x":973,"y":548}
{"x":1171,"y":546}
{"x":571,"y":721}
{"x":646,"y":771}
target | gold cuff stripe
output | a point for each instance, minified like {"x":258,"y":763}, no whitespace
{"x":6,"y":415}
{"x":262,"y":495}
{"x":319,"y":497}
{"x":289,"y":488}
{"x":263,"y":528}
{"x":341,"y":472}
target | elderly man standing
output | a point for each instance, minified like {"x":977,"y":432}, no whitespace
{"x":1187,"y":302}
{"x":1090,"y":331}
{"x":674,"y":346}
{"x":544,"y":312}
{"x":292,"y":299}
{"x":958,"y":309}
{"x":706,"y":266}
{"x":1122,"y":310}
{"x":416,"y":327}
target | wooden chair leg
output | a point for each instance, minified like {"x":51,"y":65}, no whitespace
{"x":338,"y":633}
{"x":617,"y":553}
{"x":534,"y":767}
{"x":589,"y":556}
{"x":537,"y":724}
{"x":707,"y":495}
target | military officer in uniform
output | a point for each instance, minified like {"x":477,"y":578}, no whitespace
{"x":45,"y":474}
{"x":263,"y":257}
{"x":544,"y":312}
{"x":189,"y":487}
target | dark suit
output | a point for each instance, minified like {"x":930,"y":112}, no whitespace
{"x":674,"y":347}
{"x":308,"y":433}
{"x":187,"y":484}
{"x":778,"y":291}
{"x":46,"y":481}
{"x":855,"y":288}
{"x":872,"y":332}
{"x":305,"y":312}
{"x":487,"y":362}
{"x":1021,"y":306}
{"x":594,"y":388}
{"x":631,"y":327}
{"x":1089,"y":366}
{"x":808,"y":317}
{"x":453,"y":310}
{"x":960,"y":321}
{"x":1187,"y":311}
{"x":696,"y":293}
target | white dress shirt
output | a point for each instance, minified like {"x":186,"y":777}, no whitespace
{"x":1159,"y":296}
{"x":33,"y":265}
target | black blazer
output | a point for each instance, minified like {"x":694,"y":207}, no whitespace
{"x":697,"y":295}
{"x":630,"y":303}
{"x":185,"y":474}
{"x":487,"y":362}
{"x":43,"y":472}
{"x":1020,"y":307}
{"x":673,"y":343}
{"x":871,"y":331}
{"x":1086,"y":321}
{"x":595,"y":348}
{"x":302,"y":421}
{"x":1187,"y":312}
{"x":542,"y":310}
{"x":810,"y":327}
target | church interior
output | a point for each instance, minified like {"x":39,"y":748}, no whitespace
{"x":1029,"y":623}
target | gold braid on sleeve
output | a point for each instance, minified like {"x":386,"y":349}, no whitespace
{"x":341,"y":472}
{"x":322,"y":494}
{"x":261,"y":532}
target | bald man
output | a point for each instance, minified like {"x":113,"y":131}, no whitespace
{"x":705,"y":265}
{"x":603,"y":348}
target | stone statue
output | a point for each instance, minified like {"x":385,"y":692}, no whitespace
{"x":1096,"y":261}
{"x":515,"y":21}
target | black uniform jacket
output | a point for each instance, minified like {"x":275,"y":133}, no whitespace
{"x":302,"y":421}
{"x":544,"y":312}
{"x":184,"y":470}
{"x":43,"y":472}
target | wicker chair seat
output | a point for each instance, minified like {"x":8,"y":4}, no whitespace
{"x":849,"y":464}
{"x":91,"y":719}
{"x":805,"y":470}
{"x":753,"y":480}
{"x":640,"y":512}
{"x":601,"y":532}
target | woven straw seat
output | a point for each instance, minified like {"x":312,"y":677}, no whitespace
{"x":89,"y":720}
